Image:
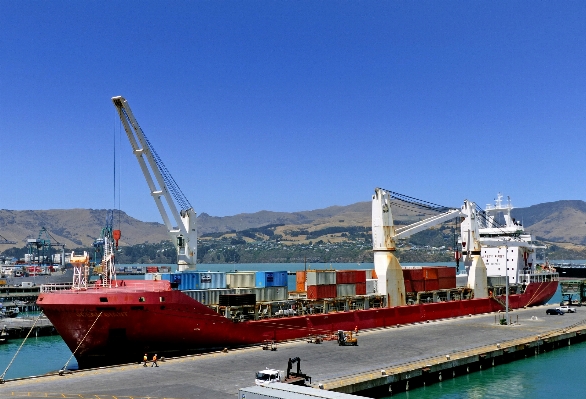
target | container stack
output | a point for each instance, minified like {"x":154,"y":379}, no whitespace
{"x":429,"y":278}
{"x":321,"y":284}
{"x":267,"y":286}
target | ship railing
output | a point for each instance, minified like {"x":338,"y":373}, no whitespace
{"x":55,"y":287}
{"x":538,"y":277}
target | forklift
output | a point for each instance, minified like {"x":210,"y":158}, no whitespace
{"x":347,"y":338}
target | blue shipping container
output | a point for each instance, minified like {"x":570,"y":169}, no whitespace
{"x":203,"y":280}
{"x":271,"y":279}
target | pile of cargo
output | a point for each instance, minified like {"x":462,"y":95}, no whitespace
{"x":429,"y":278}
{"x":321,"y":284}
{"x":231,"y":288}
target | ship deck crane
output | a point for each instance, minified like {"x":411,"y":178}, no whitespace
{"x":384,"y":236}
{"x":167,"y":195}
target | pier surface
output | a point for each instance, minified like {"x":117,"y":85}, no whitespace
{"x":418,"y":348}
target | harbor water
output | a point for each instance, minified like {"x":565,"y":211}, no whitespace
{"x":531,"y":377}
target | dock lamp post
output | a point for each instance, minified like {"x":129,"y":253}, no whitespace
{"x":507,"y":283}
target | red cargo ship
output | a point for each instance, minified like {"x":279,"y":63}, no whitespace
{"x":118,"y":324}
{"x":116,"y":321}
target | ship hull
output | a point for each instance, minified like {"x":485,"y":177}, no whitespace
{"x":107,"y":326}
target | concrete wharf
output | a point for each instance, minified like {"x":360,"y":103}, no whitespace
{"x":19,"y":327}
{"x":385,"y":358}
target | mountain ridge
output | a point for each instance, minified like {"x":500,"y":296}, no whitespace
{"x":561,"y":221}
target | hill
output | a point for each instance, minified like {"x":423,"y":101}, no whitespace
{"x":558,"y":222}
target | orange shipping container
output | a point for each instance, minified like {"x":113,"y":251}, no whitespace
{"x":430,"y":273}
{"x":301,"y":276}
{"x":300,"y":287}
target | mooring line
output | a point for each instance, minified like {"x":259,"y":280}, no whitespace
{"x":80,"y":342}
{"x":18,"y":350}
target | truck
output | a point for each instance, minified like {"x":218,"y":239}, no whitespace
{"x":566,"y":309}
{"x":268,"y":376}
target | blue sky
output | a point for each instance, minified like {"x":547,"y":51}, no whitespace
{"x":293,"y":105}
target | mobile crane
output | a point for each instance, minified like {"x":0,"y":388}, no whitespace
{"x":163,"y":189}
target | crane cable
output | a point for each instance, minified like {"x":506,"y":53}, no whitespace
{"x":19,"y":348}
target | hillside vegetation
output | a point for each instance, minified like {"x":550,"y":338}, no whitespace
{"x":333,"y":234}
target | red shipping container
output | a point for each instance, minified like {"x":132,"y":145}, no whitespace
{"x":361,"y":288}
{"x":408,"y":286}
{"x":431,"y":285}
{"x":418,"y":285}
{"x":446,"y":271}
{"x":447,"y":282}
{"x":345,"y":277}
{"x":414,"y":274}
{"x":321,"y":291}
{"x":360,"y":276}
{"x":430,"y":273}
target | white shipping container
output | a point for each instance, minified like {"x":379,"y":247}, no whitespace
{"x":320,"y":277}
{"x":371,"y":286}
{"x":343,"y":290}
{"x":208,"y":297}
{"x":369,"y":273}
{"x":241,"y":279}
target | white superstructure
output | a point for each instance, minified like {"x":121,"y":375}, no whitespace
{"x":506,"y":249}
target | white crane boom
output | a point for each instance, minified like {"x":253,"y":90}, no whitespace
{"x":161,"y":186}
{"x":384,"y":231}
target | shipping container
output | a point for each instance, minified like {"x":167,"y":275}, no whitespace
{"x":266,"y":294}
{"x":430,"y":273}
{"x":361,"y":288}
{"x":409,"y":286}
{"x":196,"y":280}
{"x":431,"y":285}
{"x":301,"y":276}
{"x":237,"y":300}
{"x":371,"y":286}
{"x":300,"y":287}
{"x":345,"y":277}
{"x":241,"y":279}
{"x":418,"y":285}
{"x":446,"y":271}
{"x":413,"y":273}
{"x":447,"y":282}
{"x":208,"y":297}
{"x":321,"y":277}
{"x":271,"y":279}
{"x":360,"y":276}
{"x":343,"y":290}
{"x":321,"y":291}
{"x":369,"y":274}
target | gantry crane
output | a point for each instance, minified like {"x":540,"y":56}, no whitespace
{"x":163,"y":189}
